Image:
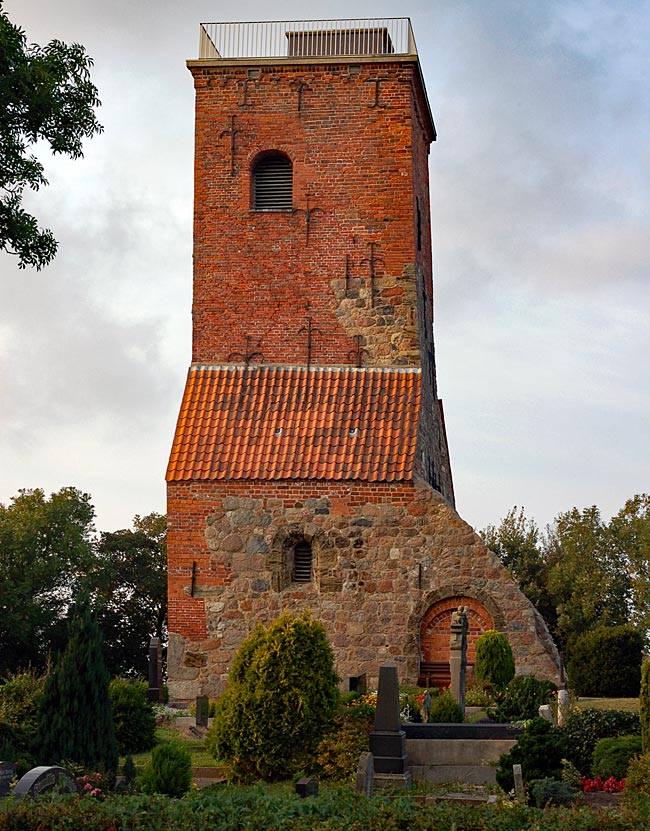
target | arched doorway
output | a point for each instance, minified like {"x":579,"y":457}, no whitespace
{"x":435,"y":632}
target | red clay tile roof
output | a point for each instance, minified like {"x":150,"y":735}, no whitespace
{"x":269,"y":422}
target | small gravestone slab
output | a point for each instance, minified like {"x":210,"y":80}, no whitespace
{"x":546,"y":712}
{"x":44,"y":779}
{"x":307,"y":787}
{"x":202,"y":710}
{"x":562,"y":706}
{"x":365,"y":774}
{"x":7,"y":773}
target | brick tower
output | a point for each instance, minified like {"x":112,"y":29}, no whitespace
{"x":310,"y":467}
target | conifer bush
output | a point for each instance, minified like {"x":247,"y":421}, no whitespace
{"x":134,"y":717}
{"x":644,"y":705}
{"x":281,"y":698}
{"x":169,"y":772}
{"x":75,"y":719}
{"x":612,"y":756}
{"x":494,"y":659}
{"x":522,"y":699}
{"x":606,"y":662}
{"x":445,"y":710}
{"x":538,"y":750}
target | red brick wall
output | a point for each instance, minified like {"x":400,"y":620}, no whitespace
{"x":254,"y":274}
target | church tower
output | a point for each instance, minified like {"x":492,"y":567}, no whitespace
{"x":310,"y":467}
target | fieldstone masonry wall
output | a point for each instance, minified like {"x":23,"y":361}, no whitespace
{"x":381,"y":557}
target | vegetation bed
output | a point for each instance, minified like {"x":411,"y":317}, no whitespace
{"x":258,"y":808}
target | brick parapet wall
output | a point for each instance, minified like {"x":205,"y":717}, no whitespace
{"x":383,"y":554}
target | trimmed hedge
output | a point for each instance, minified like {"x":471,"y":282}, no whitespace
{"x":134,"y":718}
{"x":583,"y":728}
{"x":612,"y":756}
{"x":606,"y":662}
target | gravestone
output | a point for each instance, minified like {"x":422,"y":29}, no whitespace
{"x":307,"y":787}
{"x":520,"y":795}
{"x":388,"y":740}
{"x":458,"y":655}
{"x":202,"y":710}
{"x":546,"y":712}
{"x":365,"y":774}
{"x":7,"y":773}
{"x":155,"y":693}
{"x":562,"y":706}
{"x":44,"y":779}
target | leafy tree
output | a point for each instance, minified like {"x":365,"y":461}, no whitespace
{"x":630,"y":538}
{"x":517,"y":543}
{"x":587,"y":580}
{"x":130,"y":580}
{"x":46,"y":549}
{"x":281,"y":697}
{"x":45,"y":94}
{"x":75,"y":719}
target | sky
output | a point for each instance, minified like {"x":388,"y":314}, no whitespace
{"x":540,"y":195}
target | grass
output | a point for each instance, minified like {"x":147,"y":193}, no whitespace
{"x":629,"y":704}
{"x":200,"y":756}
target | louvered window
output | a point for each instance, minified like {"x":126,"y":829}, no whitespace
{"x":302,"y":563}
{"x":273,"y":183}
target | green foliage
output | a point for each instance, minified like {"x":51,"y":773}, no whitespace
{"x":638,"y":774}
{"x":522,"y":699}
{"x":129,"y":773}
{"x":169,"y":772}
{"x":46,"y":549}
{"x":445,"y":710}
{"x":583,"y":728}
{"x":339,"y":750}
{"x":495,"y":662}
{"x":644,"y":705}
{"x":630,"y":534}
{"x":129,"y":578}
{"x":549,"y":791}
{"x":45,"y":95}
{"x":539,"y":751}
{"x":134,"y":718}
{"x":16,"y":746}
{"x":612,"y":756}
{"x":75,"y":720}
{"x":479,"y":693}
{"x":20,"y":696}
{"x":570,"y":774}
{"x":282,"y":695}
{"x":606,"y":662}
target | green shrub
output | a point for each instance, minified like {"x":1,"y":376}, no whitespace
{"x":612,"y":756}
{"x":549,"y":791}
{"x":169,"y":771}
{"x":282,"y":695}
{"x":539,"y":751}
{"x":134,"y":718}
{"x":522,"y":699}
{"x":20,"y":696}
{"x":494,"y":659}
{"x":606,"y":662}
{"x":644,"y":705}
{"x":637,"y":778}
{"x":338,"y":753}
{"x":15,"y":746}
{"x":583,"y":728}
{"x":444,"y":710}
{"x":479,"y":693}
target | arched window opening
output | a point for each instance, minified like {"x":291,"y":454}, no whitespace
{"x":302,"y":562}
{"x":273,"y":183}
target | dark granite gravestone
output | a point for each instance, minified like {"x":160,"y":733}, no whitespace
{"x":7,"y":773}
{"x":44,"y":779}
{"x":388,"y":740}
{"x":202,"y":710}
{"x":155,"y":693}
{"x":307,"y":787}
{"x":365,"y":774}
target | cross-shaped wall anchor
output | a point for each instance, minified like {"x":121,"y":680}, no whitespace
{"x":356,"y":355}
{"x":303,"y":85}
{"x":244,"y":99}
{"x":311,"y":331}
{"x":308,"y":212}
{"x":247,"y":355}
{"x":349,"y":265}
{"x":372,"y":261}
{"x":376,"y":103}
{"x":232,"y":132}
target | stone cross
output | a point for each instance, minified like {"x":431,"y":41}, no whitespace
{"x":155,"y":693}
{"x":458,"y":655}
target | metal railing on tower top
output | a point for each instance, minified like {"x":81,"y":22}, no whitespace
{"x":307,"y":38}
